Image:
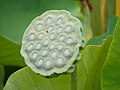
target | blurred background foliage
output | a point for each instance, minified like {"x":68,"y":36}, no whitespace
{"x":16,"y":15}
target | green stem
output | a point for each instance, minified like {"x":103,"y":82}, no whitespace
{"x":74,"y":79}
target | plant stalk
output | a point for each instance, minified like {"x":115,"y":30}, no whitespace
{"x":74,"y":79}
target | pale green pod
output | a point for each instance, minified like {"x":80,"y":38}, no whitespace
{"x":51,"y":42}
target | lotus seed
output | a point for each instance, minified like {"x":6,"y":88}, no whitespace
{"x":46,"y":41}
{"x":34,"y":55}
{"x":60,"y":47}
{"x":48,"y":65}
{"x":29,"y":47}
{"x":38,"y":46}
{"x":40,"y":36}
{"x":59,"y":20}
{"x":50,"y":28}
{"x":61,"y":38}
{"x":31,"y":37}
{"x":70,"y":41}
{"x":59,"y":30}
{"x":60,"y":62}
{"x":68,"y":29}
{"x":39,"y":26}
{"x":51,"y":46}
{"x":67,"y":52}
{"x":40,"y":62}
{"x":54,"y":54}
{"x":44,"y":53}
{"x":49,"y":20}
{"x":52,"y":36}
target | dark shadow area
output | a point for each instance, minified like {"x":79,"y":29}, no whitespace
{"x":8,"y":71}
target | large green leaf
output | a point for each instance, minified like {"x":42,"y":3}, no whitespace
{"x":10,"y":53}
{"x":25,"y":79}
{"x":90,"y":66}
{"x":111,"y":70}
{"x":89,"y":69}
{"x":1,"y":76}
{"x":15,"y":16}
{"x":110,"y":29}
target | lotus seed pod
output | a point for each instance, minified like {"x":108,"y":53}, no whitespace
{"x":51,"y":42}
